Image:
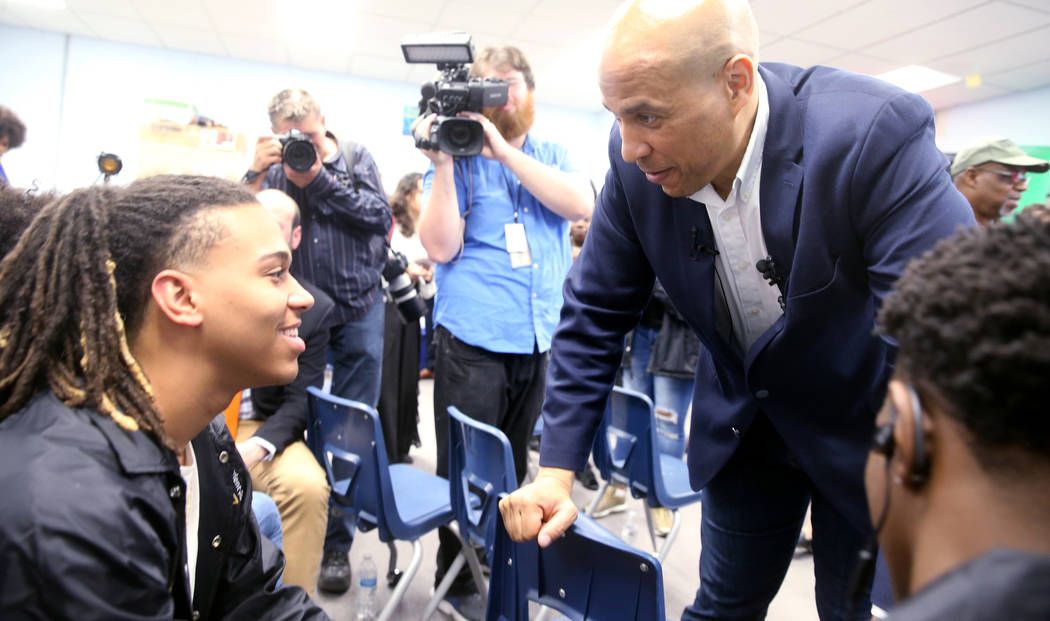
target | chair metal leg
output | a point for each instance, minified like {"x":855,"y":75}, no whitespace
{"x":402,"y":584}
{"x":393,"y":574}
{"x":649,"y":523}
{"x":466,"y":555}
{"x":676,"y":523}
{"x":594,"y":503}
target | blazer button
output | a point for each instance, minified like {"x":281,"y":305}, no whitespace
{"x":736,"y":431}
{"x":196,"y":615}
{"x":224,"y":457}
{"x":761,"y":394}
{"x":175,"y":492}
{"x":217,"y":541}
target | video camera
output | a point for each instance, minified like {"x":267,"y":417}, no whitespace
{"x":297,"y":151}
{"x":454,"y":92}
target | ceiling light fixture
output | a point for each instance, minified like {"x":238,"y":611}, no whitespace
{"x":44,"y":5}
{"x":916,"y":78}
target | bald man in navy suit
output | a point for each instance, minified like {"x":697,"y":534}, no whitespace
{"x":777,"y":205}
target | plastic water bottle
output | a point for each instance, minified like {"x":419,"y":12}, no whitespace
{"x":630,"y":527}
{"x":366,"y":590}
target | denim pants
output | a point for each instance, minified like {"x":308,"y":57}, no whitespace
{"x":356,"y":351}
{"x":269,"y":519}
{"x":751,"y":515}
{"x":670,"y":395}
{"x":502,"y":390}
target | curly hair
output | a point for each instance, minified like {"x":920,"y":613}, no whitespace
{"x":18,"y":207}
{"x":399,"y":202}
{"x":972,"y":317}
{"x":12,"y":127}
{"x":74,"y":290}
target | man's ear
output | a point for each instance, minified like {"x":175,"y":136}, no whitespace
{"x":173,"y":293}
{"x":297,"y":237}
{"x":739,"y":73}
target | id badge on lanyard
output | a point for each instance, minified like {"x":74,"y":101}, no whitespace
{"x":517,"y":243}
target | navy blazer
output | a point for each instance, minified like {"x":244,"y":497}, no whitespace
{"x":852,"y":188}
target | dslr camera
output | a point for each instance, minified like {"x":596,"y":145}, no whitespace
{"x":297,"y":151}
{"x":401,"y":289}
{"x":453,"y":92}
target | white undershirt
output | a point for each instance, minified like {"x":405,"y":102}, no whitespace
{"x":193,"y":509}
{"x":737,"y":227}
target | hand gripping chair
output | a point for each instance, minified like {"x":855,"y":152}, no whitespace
{"x":587,"y":575}
{"x":402,"y":502}
{"x":481,"y":468}
{"x":625,"y":451}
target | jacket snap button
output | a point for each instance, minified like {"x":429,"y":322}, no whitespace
{"x":216,"y":542}
{"x":196,"y":615}
{"x":175,"y":492}
{"x":736,"y":431}
{"x":224,"y":457}
{"x":762,"y":394}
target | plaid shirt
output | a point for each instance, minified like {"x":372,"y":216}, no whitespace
{"x":345,"y":219}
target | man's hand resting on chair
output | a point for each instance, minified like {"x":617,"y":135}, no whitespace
{"x":542,"y":510}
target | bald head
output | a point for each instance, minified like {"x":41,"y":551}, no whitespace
{"x":682,"y":37}
{"x":285,"y":211}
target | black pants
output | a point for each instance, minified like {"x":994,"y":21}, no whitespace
{"x":502,"y":390}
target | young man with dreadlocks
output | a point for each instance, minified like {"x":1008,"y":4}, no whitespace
{"x":128,"y":318}
{"x":959,"y":471}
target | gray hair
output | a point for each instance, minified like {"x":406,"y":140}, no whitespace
{"x":292,"y":104}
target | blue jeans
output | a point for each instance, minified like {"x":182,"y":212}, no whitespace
{"x":266,"y":514}
{"x":356,"y":350}
{"x":670,"y":395}
{"x":752,"y":513}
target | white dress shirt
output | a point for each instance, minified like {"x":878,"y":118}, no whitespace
{"x":737,"y":226}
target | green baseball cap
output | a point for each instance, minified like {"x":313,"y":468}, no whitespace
{"x":996,"y":149}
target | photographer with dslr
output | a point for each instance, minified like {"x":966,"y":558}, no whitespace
{"x":345,"y":218}
{"x":497,"y":225}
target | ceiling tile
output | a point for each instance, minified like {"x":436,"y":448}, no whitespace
{"x":190,"y":39}
{"x":7,"y":16}
{"x":120,"y":29}
{"x":873,"y":21}
{"x":464,"y":16}
{"x":859,"y":63}
{"x":802,"y":53}
{"x":790,"y":17}
{"x":62,"y":21}
{"x":265,"y":49}
{"x":1039,"y":5}
{"x":248,"y":18}
{"x":999,"y":56}
{"x":333,"y":56}
{"x":957,"y":94}
{"x":118,"y":8}
{"x":987,"y":23}
{"x":414,"y":10}
{"x":186,"y":13}
{"x":1027,"y":77}
{"x":380,"y":36}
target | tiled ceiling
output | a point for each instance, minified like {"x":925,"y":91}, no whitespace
{"x":1006,"y":42}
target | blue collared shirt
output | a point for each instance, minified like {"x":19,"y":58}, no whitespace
{"x":481,"y":300}
{"x":345,"y":218}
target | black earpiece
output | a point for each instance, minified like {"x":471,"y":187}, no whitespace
{"x":920,"y":463}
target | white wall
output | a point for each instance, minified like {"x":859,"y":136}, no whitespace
{"x":1023,"y":118}
{"x":79,"y":96}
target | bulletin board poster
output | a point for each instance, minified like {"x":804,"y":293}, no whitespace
{"x":1038,"y":184}
{"x":408,"y":116}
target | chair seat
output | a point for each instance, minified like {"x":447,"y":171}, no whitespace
{"x":678,"y":491}
{"x":428,"y":505}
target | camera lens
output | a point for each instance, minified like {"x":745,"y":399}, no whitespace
{"x":299,"y":155}
{"x":461,"y":137}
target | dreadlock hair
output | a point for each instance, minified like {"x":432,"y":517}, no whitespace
{"x":18,"y":207}
{"x":972,"y":317}
{"x":73,"y":292}
{"x":399,"y":202}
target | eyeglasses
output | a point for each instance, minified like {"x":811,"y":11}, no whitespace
{"x":1015,"y":177}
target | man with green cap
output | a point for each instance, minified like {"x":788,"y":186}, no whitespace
{"x":992,"y":173}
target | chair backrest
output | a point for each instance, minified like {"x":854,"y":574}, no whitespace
{"x":625,"y":448}
{"x":481,"y":467}
{"x":347,"y":439}
{"x":587,"y":575}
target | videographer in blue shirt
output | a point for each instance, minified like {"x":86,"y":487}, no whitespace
{"x":497,"y":225}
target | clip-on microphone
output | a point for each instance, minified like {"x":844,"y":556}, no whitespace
{"x":768,"y":268}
